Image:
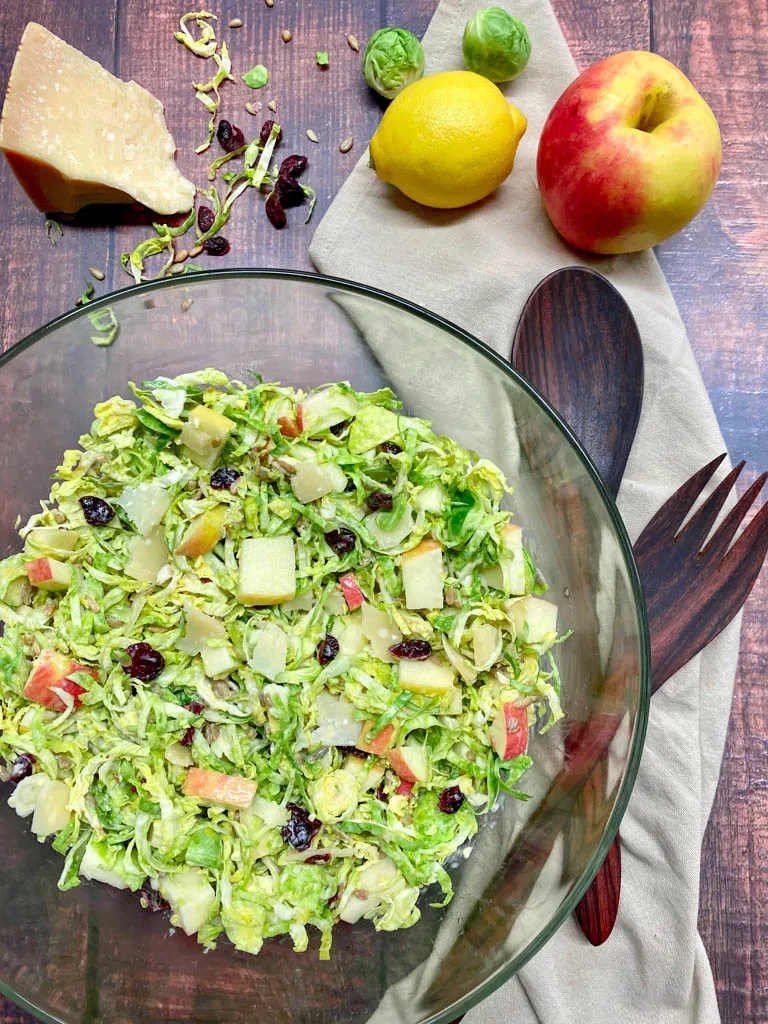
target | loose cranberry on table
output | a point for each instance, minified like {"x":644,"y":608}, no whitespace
{"x":205,"y":218}
{"x":300,"y":830}
{"x":216,"y":246}
{"x":146,"y":663}
{"x":293,"y":166}
{"x":327,"y":649}
{"x":413,"y":650}
{"x":275,"y":211}
{"x":230,"y":138}
{"x":97,"y":512}
{"x":266,"y":131}
{"x":290,"y":191}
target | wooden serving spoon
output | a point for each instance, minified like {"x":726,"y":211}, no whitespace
{"x":578,"y":344}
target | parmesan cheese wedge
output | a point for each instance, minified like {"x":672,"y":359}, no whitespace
{"x":74,"y":134}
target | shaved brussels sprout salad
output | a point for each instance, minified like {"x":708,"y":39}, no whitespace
{"x":267,"y":655}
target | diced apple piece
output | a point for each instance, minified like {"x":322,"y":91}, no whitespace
{"x":535,"y":620}
{"x":267,"y":570}
{"x":94,"y":867}
{"x":380,"y":743}
{"x":213,"y":787}
{"x":388,"y":539}
{"x":204,"y":421}
{"x":18,"y":592}
{"x":49,"y":574}
{"x":508,"y":732}
{"x":355,"y":907}
{"x":431,"y":497}
{"x":199,"y":628}
{"x":51,"y":813}
{"x":204,"y":533}
{"x":324,"y":409}
{"x":368,"y":773}
{"x":218,"y":661}
{"x":380,"y":632}
{"x":336,"y":723}
{"x":191,"y":896}
{"x":313,"y":480}
{"x":405,"y":788}
{"x":350,"y":588}
{"x":486,"y":645}
{"x":410,"y":763}
{"x":426,"y":677}
{"x":50,"y":537}
{"x":423,"y":575}
{"x":147,"y":556}
{"x":50,"y":672}
{"x":492,"y":576}
{"x":269,"y":652}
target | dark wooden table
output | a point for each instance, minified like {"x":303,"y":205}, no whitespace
{"x":717,"y":268}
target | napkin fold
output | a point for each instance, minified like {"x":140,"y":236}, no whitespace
{"x":476,"y":267}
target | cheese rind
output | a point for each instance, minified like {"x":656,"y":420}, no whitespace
{"x":74,"y":134}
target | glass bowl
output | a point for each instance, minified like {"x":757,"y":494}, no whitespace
{"x":91,"y":954}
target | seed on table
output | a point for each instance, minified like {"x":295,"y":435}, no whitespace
{"x":273,"y":106}
{"x":175,"y":269}
{"x":286,"y":35}
{"x":253,"y":108}
{"x":346,"y":144}
{"x":195,"y":251}
{"x":353,"y":43}
{"x":95,"y":272}
{"x":180,"y":256}
{"x":312,"y":136}
{"x":269,"y":3}
{"x":236,"y":23}
{"x":186,"y":304}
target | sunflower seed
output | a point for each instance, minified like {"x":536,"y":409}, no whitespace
{"x":269,"y":3}
{"x":312,"y":136}
{"x":186,"y":304}
{"x":180,"y":256}
{"x":347,"y":144}
{"x":236,"y":23}
{"x":353,"y":43}
{"x":195,"y":251}
{"x":286,"y":35}
{"x":273,"y":106}
{"x":95,"y":272}
{"x":253,"y":108}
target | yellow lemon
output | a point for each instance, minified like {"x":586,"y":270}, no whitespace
{"x":448,"y":139}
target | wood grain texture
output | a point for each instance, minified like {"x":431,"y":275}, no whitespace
{"x":717,"y":269}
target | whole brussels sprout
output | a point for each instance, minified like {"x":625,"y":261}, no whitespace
{"x":393,"y":59}
{"x":496,"y":45}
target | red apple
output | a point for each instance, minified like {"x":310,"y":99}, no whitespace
{"x":350,"y":588}
{"x":48,"y":574}
{"x":214,"y":787}
{"x":405,"y":788}
{"x":50,"y":672}
{"x":509,"y":731}
{"x":380,"y":744}
{"x":628,"y":156}
{"x":410,"y":763}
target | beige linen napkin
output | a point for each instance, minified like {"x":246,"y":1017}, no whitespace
{"x":476,"y":267}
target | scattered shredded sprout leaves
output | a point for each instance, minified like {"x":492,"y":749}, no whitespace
{"x":257,"y":77}
{"x":87,"y":296}
{"x":51,"y":225}
{"x":205,"y":46}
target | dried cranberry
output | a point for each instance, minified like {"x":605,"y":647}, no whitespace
{"x":379,"y":499}
{"x":318,"y":858}
{"x":327,"y":649}
{"x":151,"y":899}
{"x":188,"y":737}
{"x":22,"y":767}
{"x":342,"y":540}
{"x":230,"y":138}
{"x":97,"y":511}
{"x":414,"y":650}
{"x":216,"y":246}
{"x":450,"y":800}
{"x":391,"y":448}
{"x":381,"y":794}
{"x":293,"y":166}
{"x":223,"y":478}
{"x":275,"y":211}
{"x":290,"y":191}
{"x":300,"y":830}
{"x":354,"y":751}
{"x":338,"y":428}
{"x":146,"y":663}
{"x":195,"y":706}
{"x":205,"y":218}
{"x":333,"y":901}
{"x":266,"y":131}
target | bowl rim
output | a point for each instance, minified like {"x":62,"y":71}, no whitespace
{"x":510,"y":969}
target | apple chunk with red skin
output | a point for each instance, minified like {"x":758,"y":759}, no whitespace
{"x":380,"y":743}
{"x":410,"y":763}
{"x":214,"y":787}
{"x":628,"y":155}
{"x":50,"y":672}
{"x":203,"y":533}
{"x":509,"y":731}
{"x":48,"y":574}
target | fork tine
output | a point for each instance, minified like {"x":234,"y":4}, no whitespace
{"x":696,"y":530}
{"x":667,"y":520}
{"x":724,"y":534}
{"x":750,"y":549}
